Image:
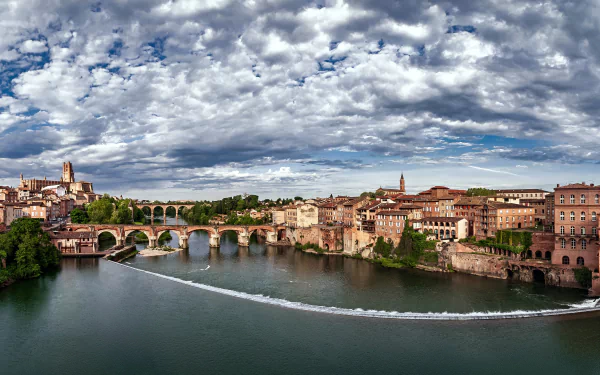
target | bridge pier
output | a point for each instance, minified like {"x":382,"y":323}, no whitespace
{"x":120,"y":241}
{"x":152,"y":242}
{"x":183,"y":242}
{"x":271,"y":237}
{"x":243,"y":239}
{"x":214,"y":240}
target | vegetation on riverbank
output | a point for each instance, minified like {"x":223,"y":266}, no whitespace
{"x":409,"y":252}
{"x":514,"y":241}
{"x":583,"y":276}
{"x":26,"y":250}
{"x":107,"y":210}
{"x":309,"y":246}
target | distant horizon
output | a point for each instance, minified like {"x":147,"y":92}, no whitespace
{"x":160,"y":99}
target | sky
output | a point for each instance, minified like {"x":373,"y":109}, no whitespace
{"x":186,"y":99}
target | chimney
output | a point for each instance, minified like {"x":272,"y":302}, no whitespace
{"x":557,"y":185}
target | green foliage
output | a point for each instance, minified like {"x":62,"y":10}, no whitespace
{"x":430,"y":257}
{"x":123,"y":214}
{"x":480,"y":192}
{"x":27,"y":249}
{"x":379,"y":193}
{"x":141,"y":237}
{"x":298,"y":198}
{"x":382,"y":247}
{"x":79,"y":216}
{"x":369,"y":194}
{"x":583,"y":276}
{"x":310,"y":246}
{"x":468,"y":240}
{"x":166,"y":236}
{"x":100,"y":211}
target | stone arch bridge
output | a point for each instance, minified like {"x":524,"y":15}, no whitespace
{"x":176,"y":206}
{"x":120,"y":232}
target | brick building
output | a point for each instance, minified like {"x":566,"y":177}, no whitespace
{"x":576,"y":210}
{"x":493,"y":216}
{"x":390,"y":224}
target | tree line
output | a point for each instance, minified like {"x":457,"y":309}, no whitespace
{"x":26,"y":251}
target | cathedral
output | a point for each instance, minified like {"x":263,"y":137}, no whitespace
{"x":401,"y":191}
{"x":67,"y":181}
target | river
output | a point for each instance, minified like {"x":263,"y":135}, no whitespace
{"x":98,"y":317}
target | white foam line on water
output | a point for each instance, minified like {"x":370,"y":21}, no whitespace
{"x":590,"y":305}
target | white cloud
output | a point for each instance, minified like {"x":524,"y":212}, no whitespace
{"x":33,"y":46}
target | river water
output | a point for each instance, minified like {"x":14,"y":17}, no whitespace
{"x":201,"y":311}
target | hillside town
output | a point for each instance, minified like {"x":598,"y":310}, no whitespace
{"x":563,"y":224}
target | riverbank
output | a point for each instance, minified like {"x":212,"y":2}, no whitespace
{"x":157,"y":251}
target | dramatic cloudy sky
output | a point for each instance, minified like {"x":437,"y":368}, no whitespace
{"x":207,"y":98}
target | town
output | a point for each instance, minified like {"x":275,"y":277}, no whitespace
{"x":526,"y":234}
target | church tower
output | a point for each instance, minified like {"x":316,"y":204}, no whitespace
{"x":68,"y":175}
{"x":402,"y":187}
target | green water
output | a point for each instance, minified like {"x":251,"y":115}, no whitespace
{"x":97,"y":317}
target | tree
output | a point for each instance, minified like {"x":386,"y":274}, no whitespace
{"x":79,"y":216}
{"x":298,"y":198}
{"x":122,"y":215}
{"x":241,"y":205}
{"x":383,"y":248}
{"x":480,"y":192}
{"x":379,"y":193}
{"x":28,"y":249}
{"x":100,"y":211}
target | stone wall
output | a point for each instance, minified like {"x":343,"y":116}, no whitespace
{"x":327,"y":237}
{"x":331,"y":238}
{"x":356,"y":241}
{"x":500,"y":267}
{"x":542,"y":241}
{"x":596,"y":284}
{"x":480,"y":265}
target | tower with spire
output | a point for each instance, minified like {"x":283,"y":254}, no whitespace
{"x":402,"y":186}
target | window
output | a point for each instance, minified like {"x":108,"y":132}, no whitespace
{"x":583,"y":246}
{"x":573,"y":243}
{"x":572,"y":200}
{"x":562,"y":199}
{"x":582,"y":216}
{"x":572,"y":231}
{"x":580,"y":261}
{"x":572,"y":216}
{"x":562,"y":229}
{"x":594,"y":216}
{"x":597,"y":199}
{"x":594,"y":231}
{"x":565,"y":260}
{"x":563,"y":243}
{"x":582,"y":199}
{"x":562,"y":215}
{"x":583,"y":230}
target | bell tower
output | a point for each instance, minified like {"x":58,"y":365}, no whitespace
{"x":402,"y":186}
{"x":68,"y":175}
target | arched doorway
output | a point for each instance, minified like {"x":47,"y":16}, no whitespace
{"x":580,"y":261}
{"x":538,"y":276}
{"x":529,"y":254}
{"x":538,"y":254}
{"x":509,"y":273}
{"x":548,"y":255}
